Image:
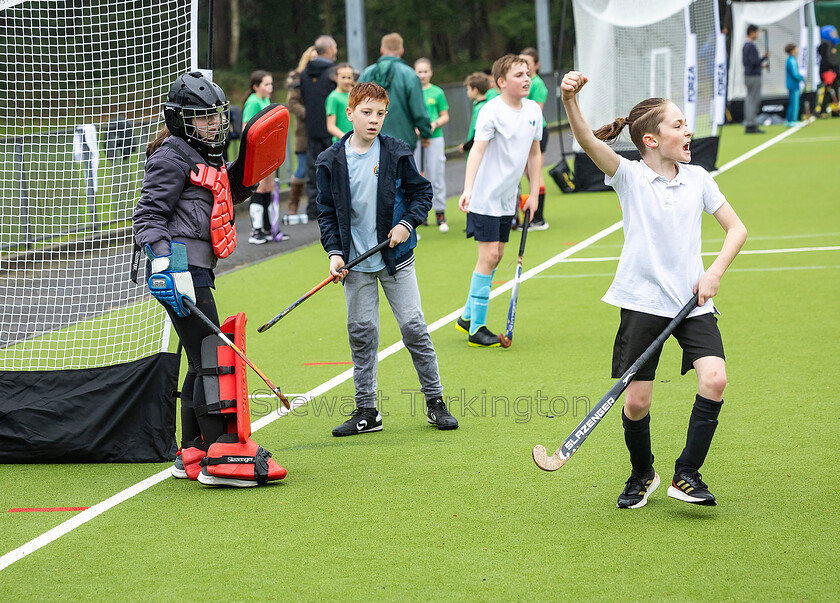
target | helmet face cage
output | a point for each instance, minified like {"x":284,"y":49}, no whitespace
{"x":207,"y":126}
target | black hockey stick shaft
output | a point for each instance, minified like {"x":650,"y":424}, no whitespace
{"x":591,"y":420}
{"x":324,"y":283}
{"x":203,"y":317}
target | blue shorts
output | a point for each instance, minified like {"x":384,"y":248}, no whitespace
{"x":489,"y":229}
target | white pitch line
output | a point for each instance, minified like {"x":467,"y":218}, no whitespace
{"x":615,"y":258}
{"x":109,"y":503}
{"x":771,"y":269}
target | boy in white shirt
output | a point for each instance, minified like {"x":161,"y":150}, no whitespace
{"x":507,"y":137}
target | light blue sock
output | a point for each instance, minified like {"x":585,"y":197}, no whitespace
{"x":479,"y":300}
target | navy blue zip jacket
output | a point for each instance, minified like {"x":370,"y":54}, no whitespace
{"x":403,"y":197}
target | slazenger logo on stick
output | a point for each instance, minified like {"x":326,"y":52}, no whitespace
{"x":592,"y":422}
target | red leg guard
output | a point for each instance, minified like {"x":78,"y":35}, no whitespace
{"x":232,"y":463}
{"x":192,"y":461}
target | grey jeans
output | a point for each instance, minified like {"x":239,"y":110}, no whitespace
{"x":753,"y":101}
{"x":361,"y":294}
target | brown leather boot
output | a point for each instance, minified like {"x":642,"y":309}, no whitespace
{"x":295,"y":191}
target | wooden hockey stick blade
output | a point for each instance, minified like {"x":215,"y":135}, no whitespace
{"x":545,"y":462}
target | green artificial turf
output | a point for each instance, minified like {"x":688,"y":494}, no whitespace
{"x":412,"y":513}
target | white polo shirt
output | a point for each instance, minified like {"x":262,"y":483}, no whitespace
{"x":660,"y":262}
{"x":511,"y":133}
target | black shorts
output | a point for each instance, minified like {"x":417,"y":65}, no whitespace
{"x":489,"y":229}
{"x":698,"y":337}
{"x":544,"y":139}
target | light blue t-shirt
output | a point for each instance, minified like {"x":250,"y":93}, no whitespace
{"x":363,"y":170}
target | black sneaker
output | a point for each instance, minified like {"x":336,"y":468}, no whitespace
{"x":637,"y":489}
{"x":689,"y":487}
{"x":362,"y":420}
{"x":462,"y":325}
{"x":257,"y":237}
{"x":437,"y":414}
{"x":483,"y":338}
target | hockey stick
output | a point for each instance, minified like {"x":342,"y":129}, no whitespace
{"x":324,"y":283}
{"x":506,"y":338}
{"x":766,"y":45}
{"x":591,"y":420}
{"x":192,"y":308}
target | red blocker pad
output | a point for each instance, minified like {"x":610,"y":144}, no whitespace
{"x":263,"y":147}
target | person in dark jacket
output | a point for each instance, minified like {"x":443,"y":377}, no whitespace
{"x":316,"y":83}
{"x":172,"y":222}
{"x":407,"y":110}
{"x":369,"y":191}
{"x":753,"y":64}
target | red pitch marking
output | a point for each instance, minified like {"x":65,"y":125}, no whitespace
{"x":45,"y":509}
{"x":325,"y":363}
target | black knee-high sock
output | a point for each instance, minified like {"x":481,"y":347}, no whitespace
{"x":266,"y":203}
{"x":701,"y":430}
{"x":538,"y":215}
{"x":637,"y":438}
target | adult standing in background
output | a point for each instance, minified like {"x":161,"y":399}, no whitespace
{"x":296,"y":106}
{"x":316,"y":83}
{"x":407,"y":110}
{"x":753,"y":64}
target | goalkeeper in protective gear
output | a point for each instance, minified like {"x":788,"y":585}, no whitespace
{"x":184,"y":222}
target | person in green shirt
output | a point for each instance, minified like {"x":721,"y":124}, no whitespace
{"x":430,"y":156}
{"x":262,"y":85}
{"x":478,"y":87}
{"x":539,"y":94}
{"x":336,"y":104}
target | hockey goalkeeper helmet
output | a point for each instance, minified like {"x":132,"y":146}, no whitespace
{"x":197,"y":111}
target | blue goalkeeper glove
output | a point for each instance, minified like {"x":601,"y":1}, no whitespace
{"x":171,"y":281}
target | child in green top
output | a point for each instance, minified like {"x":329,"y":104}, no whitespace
{"x":262,"y":85}
{"x":539,"y":94}
{"x":477,"y":86}
{"x":336,"y":104}
{"x":431,"y":159}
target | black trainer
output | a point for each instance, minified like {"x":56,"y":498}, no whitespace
{"x":462,"y":325}
{"x":637,"y":489}
{"x":438,"y":415}
{"x":362,"y":420}
{"x":687,"y":486}
{"x":483,"y":338}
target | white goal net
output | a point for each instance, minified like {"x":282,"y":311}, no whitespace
{"x":659,"y":48}
{"x":81,"y":88}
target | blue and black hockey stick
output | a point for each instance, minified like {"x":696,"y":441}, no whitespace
{"x":591,"y":420}
{"x":506,"y":339}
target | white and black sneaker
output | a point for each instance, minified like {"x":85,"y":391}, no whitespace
{"x":438,"y":415}
{"x":257,"y":237}
{"x":362,"y":420}
{"x":177,"y":470}
{"x":637,"y":489}
{"x":687,"y":486}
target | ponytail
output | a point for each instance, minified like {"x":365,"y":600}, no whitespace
{"x":610,"y":132}
{"x":153,"y":146}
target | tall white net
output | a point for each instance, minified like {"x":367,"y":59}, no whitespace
{"x":632,"y":51}
{"x":81,"y":87}
{"x":779,"y":23}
